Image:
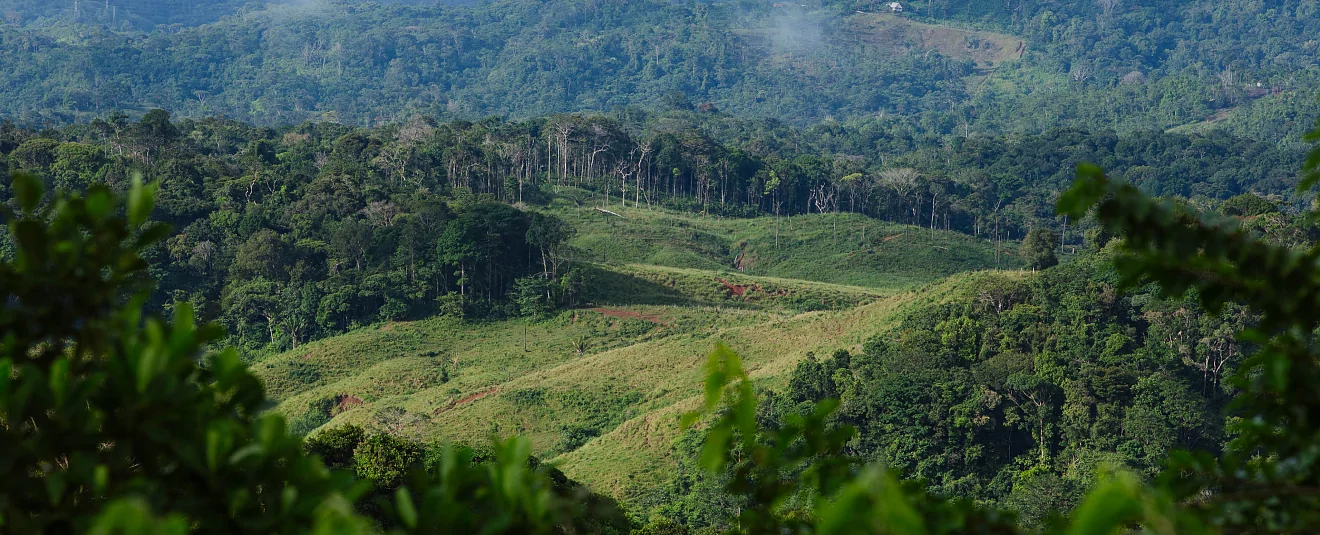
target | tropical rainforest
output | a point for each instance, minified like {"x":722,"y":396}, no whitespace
{"x":658,"y":267}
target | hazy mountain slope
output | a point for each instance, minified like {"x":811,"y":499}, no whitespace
{"x":367,"y":63}
{"x":146,"y":15}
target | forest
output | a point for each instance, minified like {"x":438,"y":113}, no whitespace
{"x":658,"y":267}
{"x":1010,"y":395}
{"x":764,"y":467}
{"x":291,"y":234}
{"x":986,"y":68}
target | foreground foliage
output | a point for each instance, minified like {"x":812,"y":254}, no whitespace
{"x":117,"y":422}
{"x":1262,"y":481}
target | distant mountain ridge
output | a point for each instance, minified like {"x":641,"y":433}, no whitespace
{"x":145,"y":15}
{"x":952,"y":68}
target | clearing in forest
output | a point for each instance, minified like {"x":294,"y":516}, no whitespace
{"x":597,"y":388}
{"x":987,"y":49}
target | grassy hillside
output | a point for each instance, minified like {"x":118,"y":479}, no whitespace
{"x":444,"y":359}
{"x":608,"y":416}
{"x":450,"y":359}
{"x":633,"y":284}
{"x":598,"y":389}
{"x":987,"y":49}
{"x":844,"y":249}
{"x":635,"y":456}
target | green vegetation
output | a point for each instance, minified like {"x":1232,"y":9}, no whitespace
{"x":112,"y":425}
{"x":953,"y":68}
{"x":374,"y":278}
{"x":464,"y":380}
{"x":290,"y":235}
{"x":1038,"y":248}
{"x":849,"y":249}
{"x":441,"y":223}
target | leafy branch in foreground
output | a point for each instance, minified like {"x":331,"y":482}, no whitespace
{"x":115,"y":422}
{"x":109,"y":424}
{"x":103,"y":409}
{"x":1266,"y":480}
{"x":1268,"y":477}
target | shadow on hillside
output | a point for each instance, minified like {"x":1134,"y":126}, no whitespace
{"x":607,"y":287}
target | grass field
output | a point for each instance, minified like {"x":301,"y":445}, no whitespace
{"x":985,"y":48}
{"x":846,"y":249}
{"x":598,"y":389}
{"x":896,"y":35}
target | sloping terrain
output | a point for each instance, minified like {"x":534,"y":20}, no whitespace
{"x":635,"y":455}
{"x":904,"y":35}
{"x":598,"y":389}
{"x":844,"y":249}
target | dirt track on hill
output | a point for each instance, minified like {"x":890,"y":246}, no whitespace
{"x":466,"y":399}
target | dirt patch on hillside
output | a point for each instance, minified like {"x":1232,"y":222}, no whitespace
{"x":467,"y":399}
{"x":745,"y":291}
{"x":346,"y":402}
{"x":630,"y":314}
{"x":985,"y":48}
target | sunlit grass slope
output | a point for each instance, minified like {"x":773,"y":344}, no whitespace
{"x":837,"y":248}
{"x":451,"y":359}
{"x":607,"y":416}
{"x":636,"y":455}
{"x":598,"y":389}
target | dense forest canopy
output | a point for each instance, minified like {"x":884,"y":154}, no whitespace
{"x":1017,"y":392}
{"x":146,"y":15}
{"x":295,"y":233}
{"x":1015,"y":67}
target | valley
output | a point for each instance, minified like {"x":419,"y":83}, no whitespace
{"x":598,"y":389}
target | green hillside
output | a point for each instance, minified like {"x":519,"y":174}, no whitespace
{"x":1066,"y":399}
{"x":606,"y":415}
{"x":661,"y":288}
{"x":951,"y":68}
{"x":848,"y":249}
{"x":637,"y":455}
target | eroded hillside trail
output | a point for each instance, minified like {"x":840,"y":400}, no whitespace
{"x":470,"y":398}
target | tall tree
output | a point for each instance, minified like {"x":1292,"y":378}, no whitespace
{"x":1038,"y":249}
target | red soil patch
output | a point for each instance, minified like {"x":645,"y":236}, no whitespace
{"x":466,"y":399}
{"x":736,"y":289}
{"x":891,"y":238}
{"x":346,"y":402}
{"x":739,"y":290}
{"x":391,"y":326}
{"x":630,"y":314}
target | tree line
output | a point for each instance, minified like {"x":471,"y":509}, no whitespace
{"x":289,"y":234}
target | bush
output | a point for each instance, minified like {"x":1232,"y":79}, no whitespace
{"x":385,"y":459}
